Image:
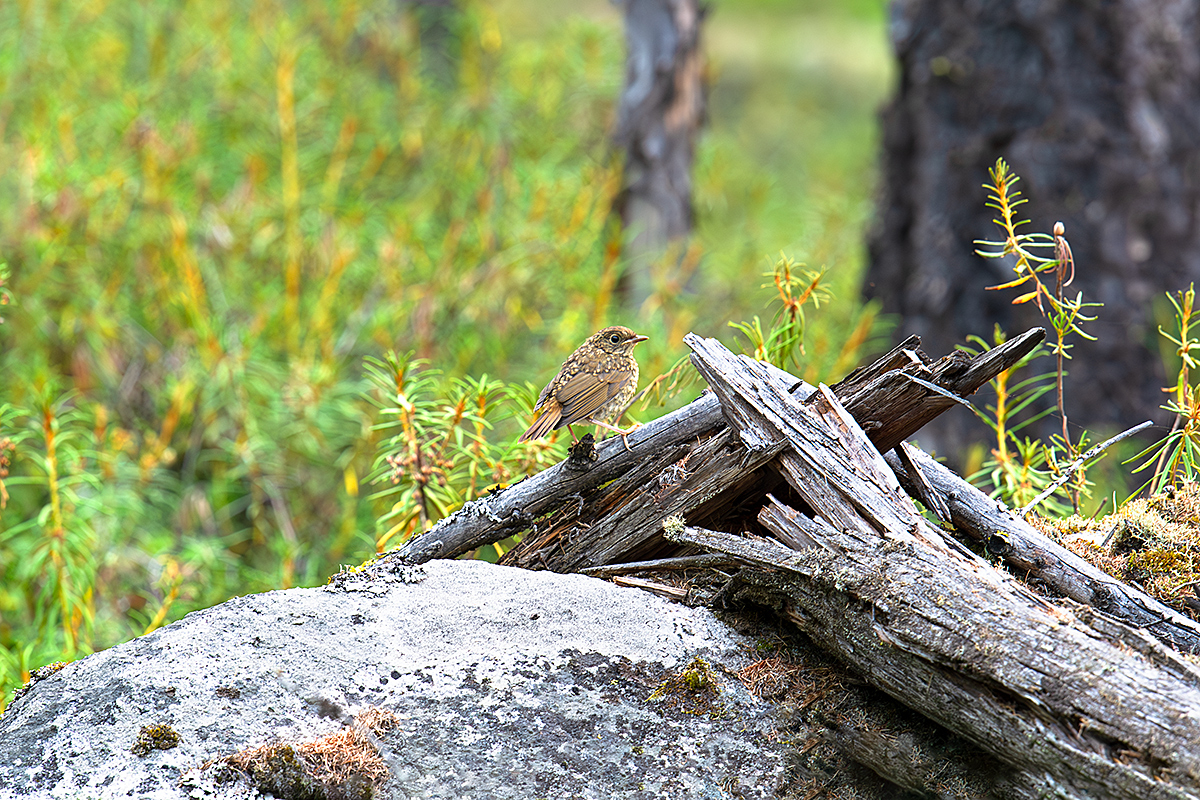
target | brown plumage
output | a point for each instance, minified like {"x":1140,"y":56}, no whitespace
{"x":593,"y":385}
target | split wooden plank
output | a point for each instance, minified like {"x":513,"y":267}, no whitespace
{"x":909,"y":405}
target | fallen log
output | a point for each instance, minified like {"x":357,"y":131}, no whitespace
{"x":516,"y":508}
{"x":684,"y":460}
{"x":1027,"y":550}
{"x":1104,"y":710}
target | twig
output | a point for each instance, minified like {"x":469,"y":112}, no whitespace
{"x":933,"y":387}
{"x":1080,"y":461}
{"x":660,"y":589}
{"x":677,"y":562}
{"x":1100,"y":508}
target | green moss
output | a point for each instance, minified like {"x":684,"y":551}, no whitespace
{"x":1155,"y":561}
{"x":350,"y":570}
{"x":154,"y":737}
{"x":1154,"y":541}
{"x":39,"y":674}
{"x":695,"y":690}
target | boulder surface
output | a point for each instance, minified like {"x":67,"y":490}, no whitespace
{"x":493,"y":681}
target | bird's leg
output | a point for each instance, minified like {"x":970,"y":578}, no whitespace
{"x":615,"y":429}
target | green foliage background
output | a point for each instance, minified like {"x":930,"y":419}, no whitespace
{"x":212,"y":212}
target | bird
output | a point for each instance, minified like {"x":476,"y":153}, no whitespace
{"x":594,"y":384}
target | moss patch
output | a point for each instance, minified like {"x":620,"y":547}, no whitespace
{"x":1153,"y":542}
{"x":154,"y":737}
{"x":342,"y":766}
{"x":694,"y":690}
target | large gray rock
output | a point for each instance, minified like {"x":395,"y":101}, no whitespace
{"x":506,"y":684}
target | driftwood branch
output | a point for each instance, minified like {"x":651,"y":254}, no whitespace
{"x":1107,"y":713}
{"x":1082,"y":459}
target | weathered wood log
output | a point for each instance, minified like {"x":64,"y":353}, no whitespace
{"x":515,"y":508}
{"x":1043,"y":702}
{"x":942,"y":631}
{"x":1028,"y":550}
{"x":673,"y":461}
{"x":620,"y":522}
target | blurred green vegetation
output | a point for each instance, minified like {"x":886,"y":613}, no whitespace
{"x":212,"y":212}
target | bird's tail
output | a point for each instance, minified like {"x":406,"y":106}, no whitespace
{"x":544,"y":421}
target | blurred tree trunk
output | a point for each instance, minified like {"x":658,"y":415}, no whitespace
{"x":660,"y":114}
{"x":437,"y":25}
{"x":1097,"y":107}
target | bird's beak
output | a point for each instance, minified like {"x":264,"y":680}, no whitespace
{"x":639,"y":338}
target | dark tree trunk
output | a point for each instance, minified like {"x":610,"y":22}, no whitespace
{"x":437,"y":25}
{"x":1097,"y":108}
{"x":661,"y":111}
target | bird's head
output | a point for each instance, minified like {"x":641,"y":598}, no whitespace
{"x":617,"y":339}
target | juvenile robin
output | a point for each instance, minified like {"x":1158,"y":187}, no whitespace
{"x":593,"y":385}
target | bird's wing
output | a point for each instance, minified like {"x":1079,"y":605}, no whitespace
{"x":542,"y":397}
{"x":584,"y":394}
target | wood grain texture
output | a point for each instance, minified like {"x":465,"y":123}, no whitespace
{"x":620,"y":522}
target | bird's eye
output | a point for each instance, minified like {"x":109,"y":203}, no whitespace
{"x":615,"y":338}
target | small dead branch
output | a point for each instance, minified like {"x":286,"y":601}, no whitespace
{"x":1080,"y":461}
{"x":660,"y":589}
{"x":676,"y":562}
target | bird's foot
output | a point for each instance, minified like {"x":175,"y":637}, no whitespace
{"x":624,"y":432}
